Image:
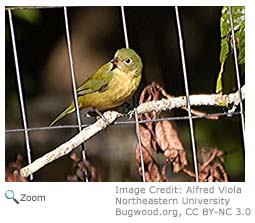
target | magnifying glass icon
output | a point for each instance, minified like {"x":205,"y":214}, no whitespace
{"x":9,"y":194}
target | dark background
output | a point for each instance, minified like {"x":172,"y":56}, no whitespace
{"x":96,"y":33}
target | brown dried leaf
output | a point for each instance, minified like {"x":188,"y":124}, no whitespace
{"x":167,"y":137}
{"x":158,"y":135}
{"x":83,"y":169}
{"x":211,"y":165}
{"x":171,"y":145}
{"x":145,"y":136}
{"x":163,"y":135}
{"x":147,"y":155}
{"x":74,"y":156}
{"x":163,"y":177}
{"x":151,"y":168}
{"x":12,"y":170}
{"x":154,"y":172}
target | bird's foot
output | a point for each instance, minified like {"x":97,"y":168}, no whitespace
{"x":130,"y":114}
{"x":102,"y":116}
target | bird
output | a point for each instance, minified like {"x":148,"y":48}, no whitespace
{"x":111,"y":85}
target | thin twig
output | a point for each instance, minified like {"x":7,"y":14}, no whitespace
{"x":111,"y":116}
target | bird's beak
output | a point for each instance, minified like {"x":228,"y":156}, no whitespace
{"x":115,"y":61}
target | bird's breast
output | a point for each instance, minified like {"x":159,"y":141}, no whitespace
{"x":120,"y":89}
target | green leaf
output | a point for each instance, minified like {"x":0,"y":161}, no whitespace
{"x":219,"y":87}
{"x":241,"y":39}
{"x":226,"y":77}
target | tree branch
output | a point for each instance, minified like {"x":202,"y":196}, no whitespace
{"x":111,"y":116}
{"x":195,"y":100}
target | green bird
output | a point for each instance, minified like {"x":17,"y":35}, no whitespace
{"x":111,"y":85}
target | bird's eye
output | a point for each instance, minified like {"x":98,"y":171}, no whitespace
{"x":128,"y":61}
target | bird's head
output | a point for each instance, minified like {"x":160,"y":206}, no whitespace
{"x":127,"y":60}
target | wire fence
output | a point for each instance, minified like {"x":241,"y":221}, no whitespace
{"x":23,"y":110}
{"x":79,"y":125}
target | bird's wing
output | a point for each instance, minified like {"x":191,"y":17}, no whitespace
{"x":98,"y":81}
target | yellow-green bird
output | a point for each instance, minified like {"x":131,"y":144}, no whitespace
{"x":111,"y":85}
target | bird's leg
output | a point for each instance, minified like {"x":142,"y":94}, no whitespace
{"x":93,"y":112}
{"x":129,"y":109}
{"x":102,"y":116}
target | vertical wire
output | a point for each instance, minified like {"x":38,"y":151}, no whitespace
{"x":124,"y":26}
{"x":23,"y":110}
{"x":72,"y":69}
{"x":126,"y":40}
{"x":237,"y":70}
{"x":74,"y":82}
{"x":139,"y":143}
{"x":136,"y":115}
{"x":187,"y":93}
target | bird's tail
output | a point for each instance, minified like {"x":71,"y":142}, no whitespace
{"x":67,"y":111}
